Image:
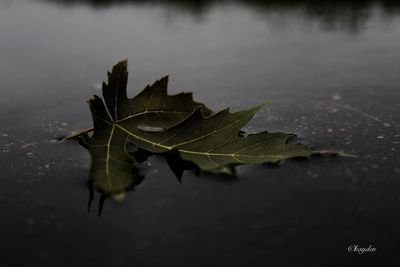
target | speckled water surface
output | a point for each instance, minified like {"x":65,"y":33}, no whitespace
{"x":329,"y":70}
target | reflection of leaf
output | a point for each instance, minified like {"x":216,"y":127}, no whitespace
{"x":113,"y":170}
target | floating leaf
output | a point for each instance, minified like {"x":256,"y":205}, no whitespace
{"x":186,"y":132}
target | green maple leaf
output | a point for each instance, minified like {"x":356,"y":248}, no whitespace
{"x":159,"y":123}
{"x":185,"y":132}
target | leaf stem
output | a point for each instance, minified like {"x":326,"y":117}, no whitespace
{"x":78,"y":133}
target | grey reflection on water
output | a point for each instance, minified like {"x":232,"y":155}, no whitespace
{"x":343,"y":14}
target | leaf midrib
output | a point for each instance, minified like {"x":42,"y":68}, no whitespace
{"x":108,"y":156}
{"x":234,"y":155}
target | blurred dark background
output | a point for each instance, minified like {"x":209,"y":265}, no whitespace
{"x":328,"y":69}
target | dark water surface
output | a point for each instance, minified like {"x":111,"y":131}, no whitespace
{"x":329,"y":69}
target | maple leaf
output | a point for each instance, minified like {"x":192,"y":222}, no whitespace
{"x":185,"y":132}
{"x":159,"y":123}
